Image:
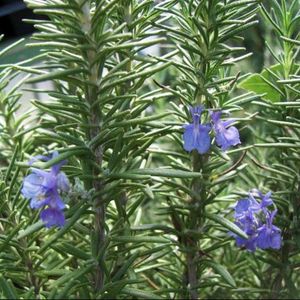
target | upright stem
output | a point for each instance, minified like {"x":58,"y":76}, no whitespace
{"x":192,"y":274}
{"x":122,"y":199}
{"x":94,"y":119}
{"x":195,"y":217}
{"x":97,"y":184}
{"x":99,"y":206}
{"x":283,"y":277}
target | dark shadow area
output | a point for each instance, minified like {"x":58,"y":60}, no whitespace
{"x":12,"y":12}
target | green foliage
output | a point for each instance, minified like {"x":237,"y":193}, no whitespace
{"x":146,"y":219}
{"x":277,"y":156}
{"x":260,"y":84}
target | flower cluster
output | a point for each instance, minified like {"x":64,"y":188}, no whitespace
{"x":43,"y":189}
{"x":196,"y":135}
{"x":255,"y":219}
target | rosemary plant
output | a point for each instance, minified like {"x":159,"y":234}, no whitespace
{"x":96,"y":118}
{"x":279,"y":86}
{"x":146,"y":171}
{"x":203,"y":32}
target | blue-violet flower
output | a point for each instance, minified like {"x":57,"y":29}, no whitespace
{"x":43,"y":188}
{"x":196,"y":136}
{"x":225,"y":137}
{"x":255,"y":219}
{"x":269,"y":235}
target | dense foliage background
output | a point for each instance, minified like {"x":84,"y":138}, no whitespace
{"x":108,"y":84}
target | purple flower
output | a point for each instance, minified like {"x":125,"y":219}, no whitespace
{"x":266,"y":199}
{"x":249,"y":244}
{"x":245,"y":206}
{"x":43,"y":189}
{"x":52,"y":217}
{"x":225,"y":137}
{"x":246,"y":220}
{"x":196,"y":136}
{"x":269,"y":235}
{"x":250,"y":216}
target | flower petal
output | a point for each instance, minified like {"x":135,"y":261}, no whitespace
{"x":196,"y":113}
{"x":269,"y":237}
{"x":32,"y":185}
{"x":276,"y":240}
{"x":53,"y":217}
{"x":266,"y":200}
{"x":63,"y":182}
{"x":227,"y":137}
{"x":55,"y":201}
{"x":215,"y":116}
{"x":48,"y":179}
{"x":38,"y":157}
{"x":56,"y":168}
{"x":263,"y":239}
{"x":202,"y":139}
{"x":39,"y":201}
{"x":249,"y":244}
{"x":242,"y":206}
{"x":188,"y":137}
